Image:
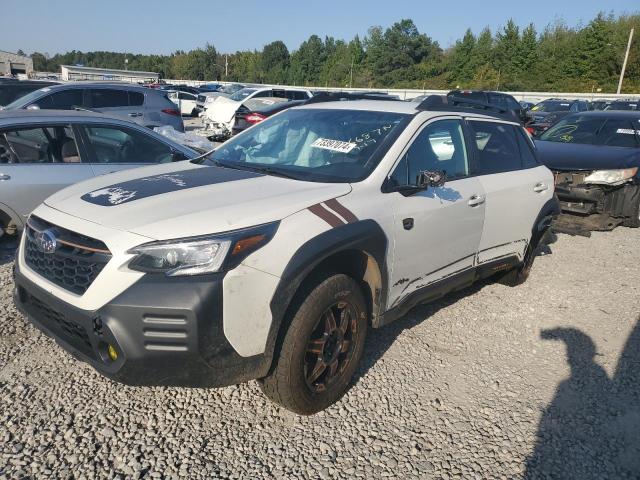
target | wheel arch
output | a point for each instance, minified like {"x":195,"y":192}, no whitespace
{"x":357,"y":249}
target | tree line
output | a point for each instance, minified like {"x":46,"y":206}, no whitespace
{"x":559,"y":58}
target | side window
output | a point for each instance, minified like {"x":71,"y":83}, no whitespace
{"x":63,"y":100}
{"x":55,"y":144}
{"x":108,"y":98}
{"x":527,"y":150}
{"x":123,"y":145}
{"x":439,"y":146}
{"x":136,"y":99}
{"x":513,"y":104}
{"x":497,"y":147}
{"x":265,"y":93}
{"x":300,"y":95}
{"x":498,"y":100}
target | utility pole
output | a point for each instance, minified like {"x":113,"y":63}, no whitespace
{"x":226,"y":65}
{"x":624,"y":64}
{"x":351,"y":75}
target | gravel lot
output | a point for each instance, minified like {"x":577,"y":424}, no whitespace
{"x":537,"y":381}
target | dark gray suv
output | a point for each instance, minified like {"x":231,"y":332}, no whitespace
{"x":144,"y":106}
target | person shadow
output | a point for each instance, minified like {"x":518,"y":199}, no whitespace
{"x":591,"y":429}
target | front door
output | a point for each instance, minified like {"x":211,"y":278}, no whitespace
{"x":436,"y":231}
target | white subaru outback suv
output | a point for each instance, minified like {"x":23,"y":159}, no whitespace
{"x":270,"y":258}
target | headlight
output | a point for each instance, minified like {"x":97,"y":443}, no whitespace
{"x":611,"y":177}
{"x":200,"y":255}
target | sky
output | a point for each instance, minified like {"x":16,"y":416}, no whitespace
{"x":162,"y":27}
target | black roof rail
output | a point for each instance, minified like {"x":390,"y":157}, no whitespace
{"x":460,"y":104}
{"x":321,"y":97}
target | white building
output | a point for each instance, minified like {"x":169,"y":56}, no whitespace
{"x":14,"y":64}
{"x":72,"y":72}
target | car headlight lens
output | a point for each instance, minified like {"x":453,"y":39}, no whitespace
{"x":611,"y":177}
{"x":200,"y":255}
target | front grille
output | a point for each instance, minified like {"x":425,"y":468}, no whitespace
{"x":71,"y":332}
{"x":570,"y":178}
{"x":73,"y":265}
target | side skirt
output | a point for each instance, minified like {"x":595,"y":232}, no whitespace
{"x":447,"y":285}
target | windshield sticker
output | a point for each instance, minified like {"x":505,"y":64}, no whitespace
{"x":333,"y":145}
{"x":628,"y":131}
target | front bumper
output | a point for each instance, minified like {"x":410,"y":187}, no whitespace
{"x":166,"y":331}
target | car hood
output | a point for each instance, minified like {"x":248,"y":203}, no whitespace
{"x":184,"y":199}
{"x":574,"y":156}
{"x":222,"y":110}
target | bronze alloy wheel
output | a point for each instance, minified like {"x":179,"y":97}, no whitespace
{"x":330,"y":348}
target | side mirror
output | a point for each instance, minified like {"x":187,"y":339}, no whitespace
{"x":177,"y":156}
{"x":427,"y":178}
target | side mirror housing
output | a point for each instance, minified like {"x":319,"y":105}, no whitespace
{"x":427,"y":178}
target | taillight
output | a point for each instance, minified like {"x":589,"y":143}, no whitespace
{"x":531,"y":130}
{"x":254,"y":118}
{"x":171,"y":111}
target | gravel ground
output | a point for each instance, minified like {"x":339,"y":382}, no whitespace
{"x":537,"y":381}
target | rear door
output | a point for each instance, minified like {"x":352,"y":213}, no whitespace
{"x":37,"y":161}
{"x":515,"y":185}
{"x":114,"y":102}
{"x":111,"y":148}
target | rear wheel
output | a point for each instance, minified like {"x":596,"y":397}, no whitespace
{"x":322,"y":348}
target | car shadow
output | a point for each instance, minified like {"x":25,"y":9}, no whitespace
{"x":591,"y":428}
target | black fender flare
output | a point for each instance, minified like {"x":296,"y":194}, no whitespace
{"x":364,"y":235}
{"x":548,"y":212}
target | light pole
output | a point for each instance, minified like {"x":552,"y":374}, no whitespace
{"x":624,"y":64}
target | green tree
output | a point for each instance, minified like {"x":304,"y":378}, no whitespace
{"x":275,"y":62}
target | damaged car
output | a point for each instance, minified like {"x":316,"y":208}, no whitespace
{"x":595,"y":159}
{"x":271,"y":257}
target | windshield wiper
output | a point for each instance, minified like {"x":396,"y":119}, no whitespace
{"x":265,"y":169}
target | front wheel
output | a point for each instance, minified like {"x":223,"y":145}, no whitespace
{"x":322,"y":348}
{"x":633,"y":220}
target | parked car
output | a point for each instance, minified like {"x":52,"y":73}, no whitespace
{"x":554,"y":105}
{"x":186,"y":102}
{"x":526,"y":105}
{"x":13,"y":90}
{"x":220,"y":115}
{"x":595,"y":157}
{"x":180,"y":88}
{"x":537,"y":128}
{"x":206,"y":98}
{"x":272,"y":257}
{"x":145,"y":106}
{"x":209,"y":87}
{"x":256,"y":110}
{"x":46,"y":150}
{"x":498,"y":99}
{"x":633,"y":105}
{"x":599,"y":104}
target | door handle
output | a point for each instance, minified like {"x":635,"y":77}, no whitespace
{"x":135,"y":114}
{"x":4,"y":177}
{"x":475,"y":200}
{"x":540,"y":187}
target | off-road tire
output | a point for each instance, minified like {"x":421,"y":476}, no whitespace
{"x":288,"y":383}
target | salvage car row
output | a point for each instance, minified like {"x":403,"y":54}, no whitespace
{"x":270,"y":257}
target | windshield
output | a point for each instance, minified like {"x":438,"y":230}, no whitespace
{"x":233,"y":88}
{"x":622,"y":106}
{"x":25,"y":100}
{"x":595,"y":130}
{"x":240,"y":95}
{"x":314,"y":145}
{"x":552,"y":106}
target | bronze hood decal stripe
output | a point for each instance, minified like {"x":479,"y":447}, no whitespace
{"x":326,"y":215}
{"x":341,"y":210}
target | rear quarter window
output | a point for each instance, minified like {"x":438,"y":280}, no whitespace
{"x":136,"y":99}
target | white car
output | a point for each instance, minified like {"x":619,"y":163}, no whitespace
{"x":185,"y":101}
{"x":219,"y":115}
{"x":272,"y":257}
